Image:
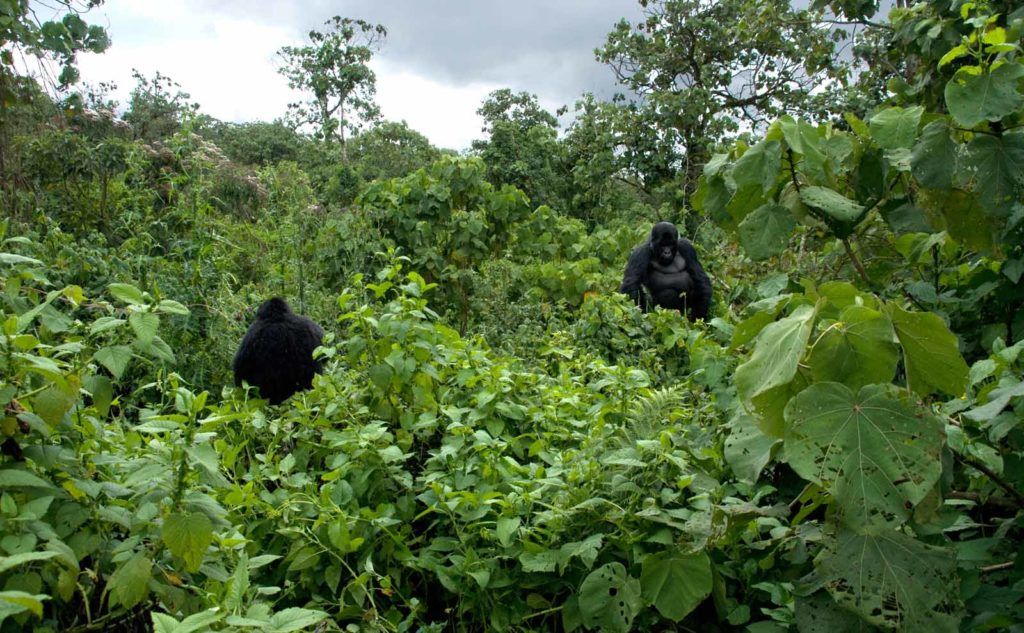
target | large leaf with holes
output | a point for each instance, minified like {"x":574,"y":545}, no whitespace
{"x":748,"y":449}
{"x":676,"y":582}
{"x":895,"y":128}
{"x":997,"y":169}
{"x":819,"y":613}
{"x":933,"y":161}
{"x":893,"y":581}
{"x":974,"y":96}
{"x":859,"y":349}
{"x":609,"y":598}
{"x":777,"y":352}
{"x":930,"y":351}
{"x":765,"y":232}
{"x":877,"y":453}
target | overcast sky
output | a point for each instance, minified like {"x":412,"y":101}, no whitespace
{"x":440,"y":60}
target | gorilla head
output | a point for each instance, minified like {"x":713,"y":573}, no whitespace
{"x":276,"y":353}
{"x":664,"y":242}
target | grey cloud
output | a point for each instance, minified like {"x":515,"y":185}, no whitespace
{"x":542,"y":46}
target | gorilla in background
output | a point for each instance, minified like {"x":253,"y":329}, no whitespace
{"x":667,"y":266}
{"x":276,"y":354}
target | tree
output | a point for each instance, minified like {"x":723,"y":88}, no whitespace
{"x":157,"y":107}
{"x":334,"y":67}
{"x":701,"y":71}
{"x":522,"y":149}
{"x":389,"y":150}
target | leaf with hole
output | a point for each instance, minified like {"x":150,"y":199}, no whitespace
{"x":877,"y":453}
{"x":609,"y":598}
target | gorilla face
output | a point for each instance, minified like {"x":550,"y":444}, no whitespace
{"x":664,"y":242}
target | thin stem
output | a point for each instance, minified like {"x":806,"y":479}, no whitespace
{"x":967,"y":460}
{"x":856,"y":262}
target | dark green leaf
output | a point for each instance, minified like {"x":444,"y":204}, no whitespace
{"x":975,"y":95}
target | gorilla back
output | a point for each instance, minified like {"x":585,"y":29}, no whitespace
{"x":666,"y":266}
{"x":276,"y":353}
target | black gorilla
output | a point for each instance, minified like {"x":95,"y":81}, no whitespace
{"x":276,"y":353}
{"x":667,"y":266}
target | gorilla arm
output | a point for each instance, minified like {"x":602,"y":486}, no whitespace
{"x":698,"y":299}
{"x":636,"y":274}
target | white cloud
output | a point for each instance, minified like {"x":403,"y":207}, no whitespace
{"x":445,"y":114}
{"x":228,"y":64}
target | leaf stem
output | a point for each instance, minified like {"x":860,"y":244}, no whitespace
{"x":856,"y":262}
{"x":967,"y":460}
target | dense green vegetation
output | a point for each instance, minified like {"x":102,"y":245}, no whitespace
{"x":500,"y":441}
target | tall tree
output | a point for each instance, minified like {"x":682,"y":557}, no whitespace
{"x":522,"y":147}
{"x":701,"y":70}
{"x":334,"y":67}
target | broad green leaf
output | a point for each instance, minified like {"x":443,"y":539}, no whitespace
{"x":804,"y":139}
{"x":305,"y":558}
{"x":609,"y":599}
{"x":170,"y":306}
{"x":380,"y":375}
{"x":12,"y":258}
{"x":506,"y":529}
{"x":188,"y":536}
{"x":10,"y":562}
{"x":103,"y":324}
{"x":14,"y":602}
{"x":127,"y":293}
{"x":857,"y":350}
{"x":744,"y":201}
{"x":931,"y":353}
{"x":998,"y":171}
{"x":102,"y":392}
{"x":933,"y":161}
{"x":894,"y":581}
{"x":53,"y":402}
{"x":986,"y":96}
{"x":766,"y":231}
{"x":129,"y":583}
{"x":777,"y":351}
{"x":541,"y":562}
{"x":115,"y":358}
{"x":759,"y":166}
{"x":163,"y":623}
{"x":896,"y":127}
{"x":748,"y":449}
{"x":11,"y":478}
{"x":238,"y":586}
{"x":965,"y":219}
{"x":294,"y":619}
{"x":997,"y":401}
{"x":833,"y":204}
{"x":875,"y":452}
{"x":676,"y":582}
{"x":586,"y":550}
{"x":145,"y":326}
{"x":954,"y":53}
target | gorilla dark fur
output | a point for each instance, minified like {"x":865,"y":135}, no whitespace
{"x":276,"y":353}
{"x":667,"y":267}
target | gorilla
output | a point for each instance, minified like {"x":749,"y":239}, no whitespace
{"x":276,"y":353}
{"x":667,"y":266}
